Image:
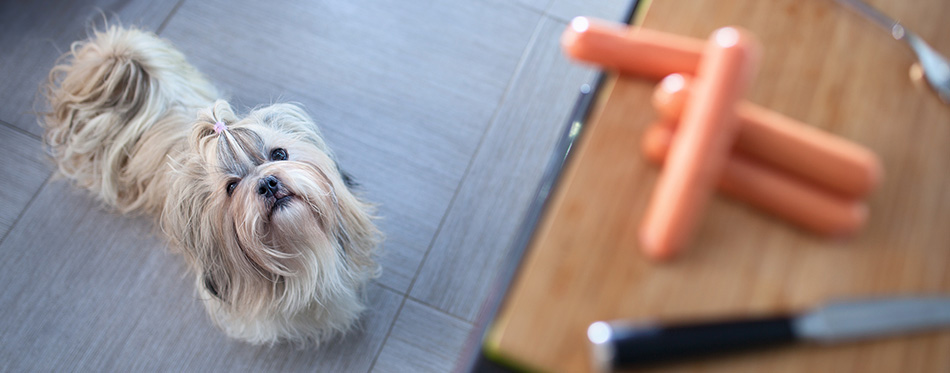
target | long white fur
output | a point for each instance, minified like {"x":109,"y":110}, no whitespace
{"x":132,"y":121}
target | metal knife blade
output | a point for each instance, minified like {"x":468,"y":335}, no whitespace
{"x":872,"y":318}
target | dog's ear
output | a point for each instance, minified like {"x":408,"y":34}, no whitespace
{"x":348,"y":179}
{"x":211,"y":286}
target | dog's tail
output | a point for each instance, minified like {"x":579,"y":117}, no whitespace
{"x":119,"y":103}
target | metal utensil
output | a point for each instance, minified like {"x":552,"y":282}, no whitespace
{"x":935,"y":67}
{"x":620,"y":345}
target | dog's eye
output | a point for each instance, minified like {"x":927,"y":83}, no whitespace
{"x":231,"y":185}
{"x":278,"y":154}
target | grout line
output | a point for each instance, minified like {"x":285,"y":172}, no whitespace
{"x":443,"y":312}
{"x":387,"y":287}
{"x":534,"y":10}
{"x":557,"y":18}
{"x":169,"y":18}
{"x":392,"y":325}
{"x":42,"y":185}
{"x":20,"y":130}
{"x":25,"y":208}
{"x":545,"y":11}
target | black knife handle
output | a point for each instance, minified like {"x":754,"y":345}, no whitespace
{"x":648,"y":345}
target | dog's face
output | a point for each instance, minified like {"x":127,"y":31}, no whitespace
{"x":273,"y":231}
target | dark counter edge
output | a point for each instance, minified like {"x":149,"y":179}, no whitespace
{"x":474,"y":358}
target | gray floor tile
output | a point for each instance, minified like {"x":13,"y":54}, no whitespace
{"x":74,"y":277}
{"x":504,"y":175}
{"x":537,"y":5}
{"x":34,"y":33}
{"x":22,"y":171}
{"x":103,"y":293}
{"x":423,"y":340}
{"x":403,"y":90}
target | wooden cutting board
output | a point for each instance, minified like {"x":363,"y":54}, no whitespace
{"x":822,"y":65}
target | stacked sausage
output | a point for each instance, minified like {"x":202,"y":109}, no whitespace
{"x":709,"y":137}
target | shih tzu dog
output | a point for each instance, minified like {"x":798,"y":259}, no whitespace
{"x":279,"y":245}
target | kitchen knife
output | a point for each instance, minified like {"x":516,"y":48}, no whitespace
{"x":620,"y":344}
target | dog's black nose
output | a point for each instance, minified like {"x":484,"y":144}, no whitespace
{"x":268,"y":186}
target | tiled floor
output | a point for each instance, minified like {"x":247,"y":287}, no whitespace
{"x":444,"y":111}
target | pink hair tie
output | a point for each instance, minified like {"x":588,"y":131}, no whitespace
{"x":219,"y":126}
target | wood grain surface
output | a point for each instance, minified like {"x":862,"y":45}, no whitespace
{"x":821,"y":64}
